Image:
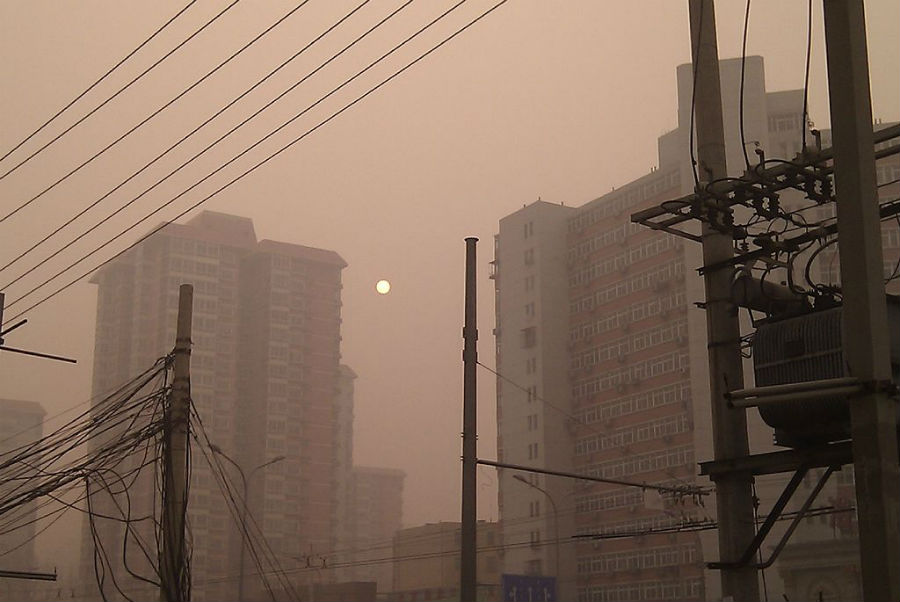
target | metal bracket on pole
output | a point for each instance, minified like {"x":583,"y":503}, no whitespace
{"x":774,"y":515}
{"x":19,"y":324}
{"x":28,"y":575}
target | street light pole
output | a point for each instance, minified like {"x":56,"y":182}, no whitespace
{"x":522,"y":479}
{"x":244,"y":485}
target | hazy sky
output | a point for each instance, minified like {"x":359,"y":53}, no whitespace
{"x":558,"y":100}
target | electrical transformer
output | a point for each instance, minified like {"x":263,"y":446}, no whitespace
{"x":805,"y":348}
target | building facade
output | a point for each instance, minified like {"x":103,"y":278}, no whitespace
{"x":374,"y":515}
{"x":265,"y":372}
{"x":630,"y":379}
{"x":533,"y":423}
{"x":427,"y":560}
{"x":612,"y":356}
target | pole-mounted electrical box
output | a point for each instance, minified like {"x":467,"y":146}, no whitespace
{"x":809,"y":348}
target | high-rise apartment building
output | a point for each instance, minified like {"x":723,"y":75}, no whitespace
{"x":265,"y":374}
{"x":603,"y":362}
{"x":533,"y":423}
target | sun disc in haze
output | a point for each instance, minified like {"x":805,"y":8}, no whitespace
{"x":383,"y":287}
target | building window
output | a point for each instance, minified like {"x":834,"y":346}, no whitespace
{"x":528,"y":229}
{"x":532,"y":451}
{"x":784,"y":122}
{"x":491,"y":564}
{"x":529,"y":256}
{"x":529,"y":336}
{"x":534,"y":567}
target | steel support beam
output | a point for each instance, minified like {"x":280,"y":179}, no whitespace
{"x":789,"y":460}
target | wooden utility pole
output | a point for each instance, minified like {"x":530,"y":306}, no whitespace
{"x":174,"y":575}
{"x":734,"y":497}
{"x":467,"y":569}
{"x":873,"y":415}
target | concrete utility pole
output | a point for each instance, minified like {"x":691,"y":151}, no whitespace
{"x":468,"y":567}
{"x":174,"y":575}
{"x":873,"y":415}
{"x":734,"y":498}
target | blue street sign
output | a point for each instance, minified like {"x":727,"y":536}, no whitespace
{"x":528,"y":588}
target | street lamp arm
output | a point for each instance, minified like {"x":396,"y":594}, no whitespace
{"x":264,"y":464}
{"x":530,"y":484}
{"x":555,"y":521}
{"x":218,"y":450}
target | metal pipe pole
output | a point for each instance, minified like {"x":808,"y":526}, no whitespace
{"x":245,"y":481}
{"x":468,"y":567}
{"x":244,"y":510}
{"x":521,"y":479}
{"x":734,"y":497}
{"x":174,"y":575}
{"x":873,"y":416}
{"x":243,"y":539}
{"x":216,"y":449}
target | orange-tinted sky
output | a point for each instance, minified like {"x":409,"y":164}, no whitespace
{"x":558,"y":100}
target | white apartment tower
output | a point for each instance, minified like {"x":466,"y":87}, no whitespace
{"x":529,"y":272}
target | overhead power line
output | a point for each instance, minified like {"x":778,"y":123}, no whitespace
{"x":580,"y":421}
{"x":99,"y":80}
{"x":159,"y":110}
{"x":259,"y":164}
{"x":224,"y":165}
{"x":95,"y":445}
{"x":109,"y":99}
{"x":184,"y":138}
